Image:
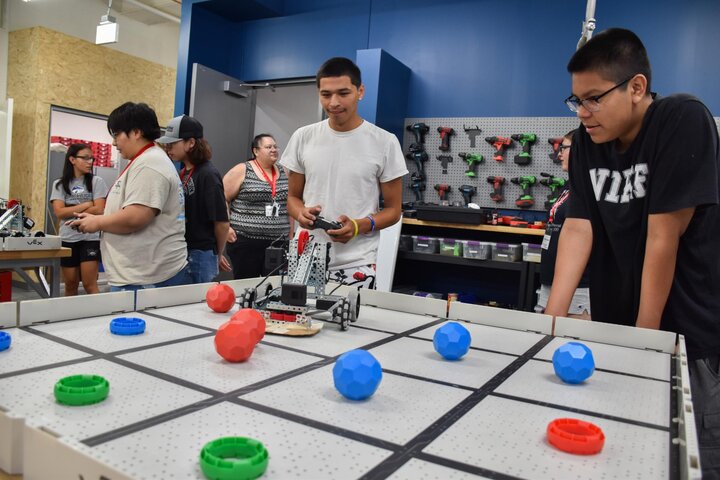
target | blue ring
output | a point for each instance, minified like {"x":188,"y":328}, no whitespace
{"x":127,"y":326}
{"x":5,"y":341}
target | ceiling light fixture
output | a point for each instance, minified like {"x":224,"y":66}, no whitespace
{"x":107,"y":29}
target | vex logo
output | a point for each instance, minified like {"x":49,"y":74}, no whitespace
{"x":624,"y":185}
{"x":34,"y":241}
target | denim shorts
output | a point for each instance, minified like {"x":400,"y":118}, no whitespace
{"x":180,"y":278}
{"x":202,"y":265}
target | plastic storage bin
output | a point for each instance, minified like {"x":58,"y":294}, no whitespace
{"x":531,"y":252}
{"x":406,"y":243}
{"x":478,"y":250}
{"x":507,"y":252}
{"x":425,"y":244}
{"x":451,"y":247}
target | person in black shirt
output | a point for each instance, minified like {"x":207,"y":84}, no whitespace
{"x":644,"y":211}
{"x":580,"y":304}
{"x":206,"y":218}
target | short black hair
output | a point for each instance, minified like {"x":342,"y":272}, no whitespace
{"x":617,"y":54}
{"x":134,"y":116}
{"x":337,"y":67}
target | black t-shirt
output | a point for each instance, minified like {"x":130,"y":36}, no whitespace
{"x":204,"y":205}
{"x":556,"y":218}
{"x":672,"y":164}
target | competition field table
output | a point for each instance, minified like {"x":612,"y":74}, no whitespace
{"x":484,"y":416}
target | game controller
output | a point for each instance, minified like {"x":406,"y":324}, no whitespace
{"x":326,"y":225}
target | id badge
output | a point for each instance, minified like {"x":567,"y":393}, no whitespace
{"x":269,"y":210}
{"x":545,"y":242}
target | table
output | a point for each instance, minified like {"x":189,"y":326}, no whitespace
{"x":21,"y":260}
{"x":481,"y":417}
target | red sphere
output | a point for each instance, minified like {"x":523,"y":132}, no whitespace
{"x":252,"y":317}
{"x":220,"y":297}
{"x":235,"y":341}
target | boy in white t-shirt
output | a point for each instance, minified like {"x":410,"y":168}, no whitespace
{"x":339,"y":168}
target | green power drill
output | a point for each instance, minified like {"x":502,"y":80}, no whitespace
{"x":526,"y":140}
{"x":525,"y":200}
{"x":554,"y":184}
{"x":472,"y":159}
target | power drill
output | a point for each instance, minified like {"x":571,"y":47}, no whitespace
{"x":419,"y":158}
{"x":417,"y":186}
{"x":445,"y":133}
{"x":526,"y":140}
{"x":472,"y":133}
{"x":554,"y":184}
{"x":500,"y":144}
{"x":555,"y":142}
{"x":471,"y":159}
{"x":443,"y":189}
{"x":444,"y":160}
{"x":467,"y":192}
{"x":419,"y":130}
{"x":525,"y":200}
{"x":497,"y":183}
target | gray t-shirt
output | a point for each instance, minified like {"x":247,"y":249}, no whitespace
{"x":158,"y":251}
{"x":78,"y":194}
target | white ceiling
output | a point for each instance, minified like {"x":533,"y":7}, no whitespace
{"x":131,"y":9}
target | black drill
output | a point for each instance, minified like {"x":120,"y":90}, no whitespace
{"x":525,"y":200}
{"x":419,"y":130}
{"x":497,"y":183}
{"x":526,"y":140}
{"x":472,"y":133}
{"x":417,"y":186}
{"x":467,"y":192}
{"x":444,"y":160}
{"x":419,"y":158}
{"x":445,"y":134}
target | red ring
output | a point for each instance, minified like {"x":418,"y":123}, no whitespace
{"x":575,"y":436}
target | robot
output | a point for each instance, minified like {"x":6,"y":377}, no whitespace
{"x":302,"y":295}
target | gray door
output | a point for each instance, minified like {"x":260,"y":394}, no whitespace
{"x":227,"y":111}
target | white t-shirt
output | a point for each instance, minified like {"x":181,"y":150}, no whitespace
{"x":343,"y":172}
{"x":158,"y":251}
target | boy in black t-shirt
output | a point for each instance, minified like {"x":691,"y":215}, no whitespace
{"x":644,"y":211}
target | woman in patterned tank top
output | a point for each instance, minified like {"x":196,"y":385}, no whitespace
{"x":256,"y":193}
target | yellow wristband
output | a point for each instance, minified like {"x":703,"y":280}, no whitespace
{"x":357,"y":229}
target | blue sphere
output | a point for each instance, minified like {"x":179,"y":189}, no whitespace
{"x":5,"y":341}
{"x":452,"y":341}
{"x":357,"y":374}
{"x":573,"y":362}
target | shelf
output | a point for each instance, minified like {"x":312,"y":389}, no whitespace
{"x":471,"y":262}
{"x":480,"y":227}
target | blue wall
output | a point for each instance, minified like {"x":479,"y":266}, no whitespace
{"x":467,"y":57}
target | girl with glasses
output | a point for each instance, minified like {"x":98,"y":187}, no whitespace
{"x":77,"y":191}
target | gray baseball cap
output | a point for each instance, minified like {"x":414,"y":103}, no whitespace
{"x":181,"y":128}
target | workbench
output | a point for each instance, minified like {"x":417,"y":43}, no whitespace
{"x":21,"y":260}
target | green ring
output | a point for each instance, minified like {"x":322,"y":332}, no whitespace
{"x":79,"y":390}
{"x":249,"y":459}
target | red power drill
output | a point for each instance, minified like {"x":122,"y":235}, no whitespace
{"x":497,"y":183}
{"x":445,"y":133}
{"x":443,"y":189}
{"x":500,"y":144}
{"x":555,"y":142}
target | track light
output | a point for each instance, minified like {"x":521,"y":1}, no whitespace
{"x":107,"y":29}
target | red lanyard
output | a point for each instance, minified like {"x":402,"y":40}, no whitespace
{"x":142,"y":150}
{"x":271,"y":182}
{"x":182,"y":172}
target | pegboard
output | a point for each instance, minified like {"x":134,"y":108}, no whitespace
{"x":544,"y":127}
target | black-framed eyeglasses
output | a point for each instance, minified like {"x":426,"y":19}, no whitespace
{"x":563,"y":147}
{"x":86,"y":158}
{"x":591,"y":104}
